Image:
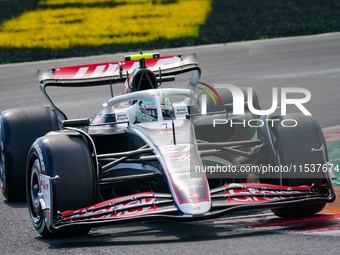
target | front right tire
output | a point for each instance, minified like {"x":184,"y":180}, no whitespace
{"x":70,"y":159}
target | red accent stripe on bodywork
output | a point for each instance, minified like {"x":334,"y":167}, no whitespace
{"x":119,"y":203}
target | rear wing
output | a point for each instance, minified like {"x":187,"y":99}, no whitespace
{"x":111,"y":73}
{"x":116,"y":72}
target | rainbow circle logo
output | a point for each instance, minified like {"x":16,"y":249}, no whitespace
{"x":209,"y":93}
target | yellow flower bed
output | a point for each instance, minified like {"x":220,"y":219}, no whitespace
{"x":64,"y":28}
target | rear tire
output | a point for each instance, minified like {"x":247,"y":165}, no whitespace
{"x":70,"y":159}
{"x":293,"y":147}
{"x":19,"y":128}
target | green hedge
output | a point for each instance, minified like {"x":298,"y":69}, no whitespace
{"x":230,"y":20}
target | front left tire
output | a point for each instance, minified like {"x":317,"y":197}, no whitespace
{"x":294,"y":147}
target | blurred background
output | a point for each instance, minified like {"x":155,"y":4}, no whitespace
{"x":49,"y":29}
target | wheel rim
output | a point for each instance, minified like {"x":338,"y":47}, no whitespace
{"x":34,"y":192}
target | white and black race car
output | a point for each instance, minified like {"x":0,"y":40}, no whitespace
{"x":169,"y":154}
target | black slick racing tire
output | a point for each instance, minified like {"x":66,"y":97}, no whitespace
{"x":18,"y":130}
{"x":294,"y":148}
{"x":70,"y":159}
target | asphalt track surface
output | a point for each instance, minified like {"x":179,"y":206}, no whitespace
{"x":311,"y":62}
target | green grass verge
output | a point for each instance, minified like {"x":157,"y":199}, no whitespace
{"x":334,"y":158}
{"x":230,"y":20}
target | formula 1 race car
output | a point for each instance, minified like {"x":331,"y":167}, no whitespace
{"x":168,"y":154}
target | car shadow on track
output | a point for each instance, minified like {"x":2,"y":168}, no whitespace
{"x":15,"y":204}
{"x":152,"y":233}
